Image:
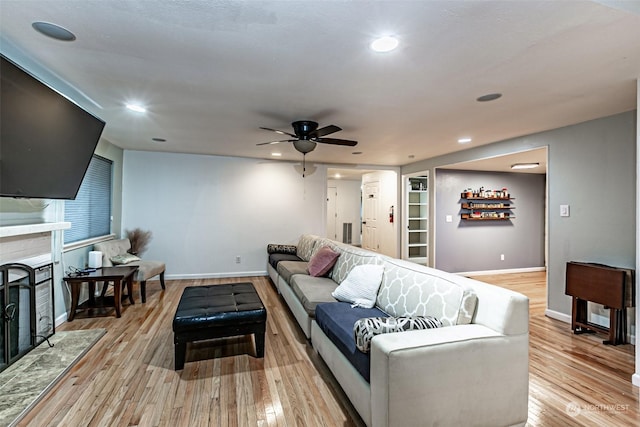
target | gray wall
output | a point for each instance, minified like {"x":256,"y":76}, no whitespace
{"x":465,"y":246}
{"x":592,"y":167}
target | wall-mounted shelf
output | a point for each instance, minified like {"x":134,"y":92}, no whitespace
{"x":492,"y":205}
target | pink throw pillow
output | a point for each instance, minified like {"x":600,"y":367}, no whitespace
{"x":322,"y":261}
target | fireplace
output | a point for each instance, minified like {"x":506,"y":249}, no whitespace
{"x":26,"y":309}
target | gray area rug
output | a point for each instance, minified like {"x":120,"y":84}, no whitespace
{"x":24,"y":383}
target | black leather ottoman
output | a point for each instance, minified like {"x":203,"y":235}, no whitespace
{"x":218,"y":311}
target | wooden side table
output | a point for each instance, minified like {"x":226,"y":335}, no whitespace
{"x":117,"y":275}
{"x":610,"y":286}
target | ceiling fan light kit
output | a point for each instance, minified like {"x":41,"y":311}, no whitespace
{"x":307,"y":136}
{"x":304,"y":146}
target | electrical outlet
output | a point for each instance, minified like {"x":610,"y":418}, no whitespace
{"x":238,"y":259}
{"x":501,"y":257}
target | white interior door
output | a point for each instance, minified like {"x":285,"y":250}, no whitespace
{"x":332,"y":213}
{"x":370,"y":216}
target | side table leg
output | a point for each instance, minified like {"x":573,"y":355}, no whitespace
{"x":117,"y":297}
{"x":75,"y":296}
{"x":613,"y":327}
{"x":92,"y":293}
{"x":130,"y":289}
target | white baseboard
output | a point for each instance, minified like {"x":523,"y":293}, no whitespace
{"x":505,"y":271}
{"x":557,"y":315}
{"x":215,"y":275}
{"x":61,"y":319}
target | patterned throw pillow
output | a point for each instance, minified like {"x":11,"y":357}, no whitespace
{"x":365,"y":329}
{"x":281,"y":249}
{"x":123,"y":259}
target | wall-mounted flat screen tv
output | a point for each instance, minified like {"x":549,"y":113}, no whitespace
{"x":46,"y":141}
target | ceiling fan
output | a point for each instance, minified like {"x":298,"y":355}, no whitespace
{"x":306,"y":136}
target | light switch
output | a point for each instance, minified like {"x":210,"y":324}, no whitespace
{"x":564,"y":210}
{"x":448,"y":218}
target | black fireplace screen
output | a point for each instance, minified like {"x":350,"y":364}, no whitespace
{"x":27,"y":310}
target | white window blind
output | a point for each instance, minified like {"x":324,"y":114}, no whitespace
{"x":90,"y":212}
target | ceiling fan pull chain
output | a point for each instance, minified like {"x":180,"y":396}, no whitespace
{"x":304,"y":164}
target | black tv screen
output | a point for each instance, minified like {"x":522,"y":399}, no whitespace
{"x":46,"y":141}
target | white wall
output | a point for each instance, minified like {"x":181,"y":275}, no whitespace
{"x":348,"y":206}
{"x":206,"y":210}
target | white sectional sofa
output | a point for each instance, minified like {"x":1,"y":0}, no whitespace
{"x":472,"y":371}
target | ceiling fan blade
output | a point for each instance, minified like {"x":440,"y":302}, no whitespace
{"x":335,"y":141}
{"x":327,"y":130}
{"x":281,"y":132}
{"x":277,"y":142}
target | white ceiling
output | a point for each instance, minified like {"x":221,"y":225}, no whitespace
{"x":212,"y":72}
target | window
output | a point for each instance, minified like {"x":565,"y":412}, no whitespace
{"x":90,"y":213}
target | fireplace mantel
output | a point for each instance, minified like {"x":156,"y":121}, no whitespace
{"x":20,"y":230}
{"x":29,"y":244}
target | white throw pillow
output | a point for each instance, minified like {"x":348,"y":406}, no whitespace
{"x":361,"y":285}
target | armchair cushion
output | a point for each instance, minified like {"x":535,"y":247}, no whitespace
{"x":147,"y":269}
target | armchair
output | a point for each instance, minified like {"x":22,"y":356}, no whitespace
{"x":146,"y":268}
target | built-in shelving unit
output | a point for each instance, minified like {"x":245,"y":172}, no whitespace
{"x":486,"y":205}
{"x":416,"y":240}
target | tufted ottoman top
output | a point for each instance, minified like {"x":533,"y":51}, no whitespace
{"x":218,"y":305}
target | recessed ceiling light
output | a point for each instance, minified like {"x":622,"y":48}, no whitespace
{"x":489,"y":97}
{"x":464,"y":140}
{"x":525,"y":165}
{"x":54,"y":31}
{"x":384,"y":44}
{"x":276,"y":154}
{"x":357,"y":152}
{"x":158,"y":140}
{"x":137,"y":108}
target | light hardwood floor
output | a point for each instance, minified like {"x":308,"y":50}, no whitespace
{"x":127,"y":379}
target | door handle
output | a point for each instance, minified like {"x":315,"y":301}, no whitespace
{"x":364,"y":222}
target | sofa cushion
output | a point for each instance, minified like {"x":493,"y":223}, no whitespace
{"x":365,"y":329}
{"x":311,"y":291}
{"x":361,"y":285}
{"x":336,"y":320}
{"x":322,"y":261}
{"x":275,"y":258}
{"x":350,"y":256}
{"x":306,"y":245}
{"x":286,"y":269}
{"x":410,"y":289}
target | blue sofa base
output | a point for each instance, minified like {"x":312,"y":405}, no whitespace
{"x":336,"y":320}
